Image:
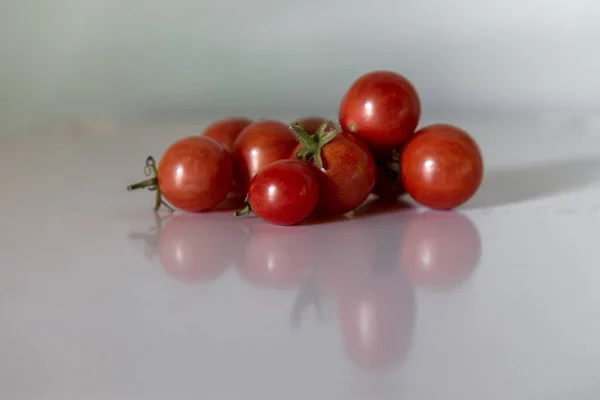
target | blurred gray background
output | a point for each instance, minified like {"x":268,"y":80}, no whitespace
{"x":64,"y":60}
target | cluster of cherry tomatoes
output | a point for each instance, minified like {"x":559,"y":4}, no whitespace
{"x":313,"y":166}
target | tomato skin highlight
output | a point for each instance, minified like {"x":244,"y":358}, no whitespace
{"x":225,"y":131}
{"x":195,"y":174}
{"x":259,"y":145}
{"x":382,"y":108}
{"x":347,"y":176}
{"x":284,"y":192}
{"x":441,"y":166}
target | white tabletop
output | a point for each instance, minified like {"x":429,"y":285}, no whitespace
{"x":100,"y":299}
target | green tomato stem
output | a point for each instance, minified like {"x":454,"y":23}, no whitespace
{"x":151,"y":184}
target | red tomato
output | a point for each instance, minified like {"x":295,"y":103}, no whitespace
{"x":312,"y":124}
{"x":284,"y":192}
{"x":225,"y":131}
{"x":378,"y":320}
{"x":440,"y":249}
{"x":260,"y":144}
{"x":193,"y":248}
{"x":346,"y":177}
{"x":441,"y":166}
{"x":278,"y":258}
{"x":195,"y":174}
{"x":382,"y":108}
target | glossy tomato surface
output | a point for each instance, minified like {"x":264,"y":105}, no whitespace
{"x":284,"y":192}
{"x":225,"y":131}
{"x":441,"y":166}
{"x":347,"y":176}
{"x":382,"y":108}
{"x":440,"y":249}
{"x":259,"y":145}
{"x":187,"y":247}
{"x":311,"y":124}
{"x":195,"y":173}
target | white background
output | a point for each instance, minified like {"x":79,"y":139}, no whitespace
{"x":65,"y":60}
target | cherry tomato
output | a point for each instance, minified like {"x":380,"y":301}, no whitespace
{"x":441,"y":166}
{"x":257,"y":146}
{"x":440,"y":249}
{"x":346,"y":175}
{"x":276,"y":257}
{"x":311,"y":124}
{"x":225,"y":131}
{"x":195,"y":174}
{"x":378,"y":320}
{"x":382,"y":108}
{"x":284,"y":192}
{"x":192,"y":247}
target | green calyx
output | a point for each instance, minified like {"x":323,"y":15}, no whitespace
{"x":151,"y":184}
{"x":244,"y":211}
{"x":312,"y":145}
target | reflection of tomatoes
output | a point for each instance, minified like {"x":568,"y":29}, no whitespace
{"x":195,"y":173}
{"x":278,"y":257}
{"x":257,"y":146}
{"x":377,"y":320}
{"x":440,"y":249}
{"x":382,"y":108}
{"x":441,"y":166}
{"x":192,"y":247}
{"x":225,"y":131}
{"x":342,"y":271}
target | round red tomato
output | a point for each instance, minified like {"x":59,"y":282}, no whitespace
{"x":312,"y":124}
{"x":441,"y":166}
{"x":284,"y":192}
{"x":276,"y":257}
{"x":345,"y":170}
{"x":378,"y":320}
{"x":257,"y":146}
{"x":225,"y":131}
{"x":382,"y":108}
{"x":440,"y":249}
{"x":195,"y":174}
{"x":194,"y":248}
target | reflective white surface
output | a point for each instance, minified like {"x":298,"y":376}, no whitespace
{"x":101,"y":299}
